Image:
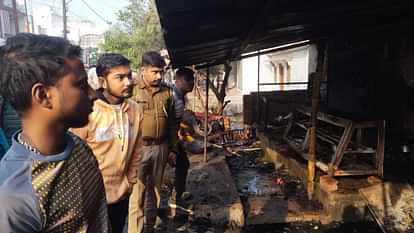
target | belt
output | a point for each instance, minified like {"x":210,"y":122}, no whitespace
{"x":152,"y":141}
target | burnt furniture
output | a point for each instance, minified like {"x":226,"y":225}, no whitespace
{"x":339,"y":139}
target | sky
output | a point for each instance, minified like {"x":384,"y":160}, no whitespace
{"x":77,"y":10}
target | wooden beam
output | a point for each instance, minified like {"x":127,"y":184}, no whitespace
{"x":355,"y":172}
{"x":321,"y":165}
{"x":324,"y":137}
{"x":206,"y":117}
{"x":343,"y":144}
{"x":381,"y":148}
{"x":334,"y":120}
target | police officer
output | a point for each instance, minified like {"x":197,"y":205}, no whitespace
{"x":156,"y":102}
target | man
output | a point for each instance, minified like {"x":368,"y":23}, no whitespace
{"x":93,"y":80}
{"x":49,"y":179}
{"x":113,"y":132}
{"x":184,"y":83}
{"x":9,"y":119}
{"x":156,"y":102}
{"x":4,"y":145}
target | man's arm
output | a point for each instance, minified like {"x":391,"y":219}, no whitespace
{"x":136,"y":156}
{"x":19,"y":214}
{"x":173,"y":126}
{"x":81,"y":132}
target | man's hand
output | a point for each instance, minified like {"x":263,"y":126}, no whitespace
{"x":172,"y":158}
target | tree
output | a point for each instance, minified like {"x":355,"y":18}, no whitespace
{"x":220,"y":74}
{"x":138,"y":31}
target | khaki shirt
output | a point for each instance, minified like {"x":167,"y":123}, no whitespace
{"x":157,"y":108}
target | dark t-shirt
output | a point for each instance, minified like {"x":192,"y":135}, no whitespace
{"x":54,"y":193}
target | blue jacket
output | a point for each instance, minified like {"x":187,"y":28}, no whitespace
{"x":4,"y":145}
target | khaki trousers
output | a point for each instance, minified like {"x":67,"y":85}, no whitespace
{"x":150,"y":175}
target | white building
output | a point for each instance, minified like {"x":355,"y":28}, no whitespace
{"x":13,"y":18}
{"x":90,"y":45}
{"x":91,"y":40}
{"x":285,"y":66}
{"x":48,"y":20}
{"x":291,"y":65}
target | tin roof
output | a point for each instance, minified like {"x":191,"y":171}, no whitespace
{"x":214,"y":31}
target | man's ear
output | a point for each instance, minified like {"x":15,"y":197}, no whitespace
{"x":100,"y":82}
{"x":178,"y":82}
{"x":41,"y":95}
{"x":103,"y":82}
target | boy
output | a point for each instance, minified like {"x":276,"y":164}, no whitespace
{"x":113,"y":133}
{"x":49,"y":179}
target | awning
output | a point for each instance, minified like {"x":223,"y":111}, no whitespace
{"x":214,"y":31}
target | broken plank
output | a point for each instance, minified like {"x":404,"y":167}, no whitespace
{"x":366,"y":151}
{"x":321,"y":135}
{"x":355,"y":172}
{"x":334,"y":120}
{"x":250,"y":149}
{"x":321,"y":165}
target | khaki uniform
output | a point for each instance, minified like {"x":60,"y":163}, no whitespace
{"x":157,"y":107}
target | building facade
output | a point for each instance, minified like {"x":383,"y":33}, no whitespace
{"x":13,"y":18}
{"x":286,"y":66}
{"x":90,"y":45}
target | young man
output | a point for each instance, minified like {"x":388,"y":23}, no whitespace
{"x":10,"y":121}
{"x":93,"y":80}
{"x":113,"y":132}
{"x":4,"y":145}
{"x":49,"y":179}
{"x":156,"y":102}
{"x":184,"y":83}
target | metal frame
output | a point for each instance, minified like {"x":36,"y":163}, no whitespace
{"x":277,"y":84}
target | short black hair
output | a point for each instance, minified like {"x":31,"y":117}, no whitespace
{"x":153,"y":58}
{"x":108,"y":61}
{"x":185,"y":74}
{"x":27,"y":59}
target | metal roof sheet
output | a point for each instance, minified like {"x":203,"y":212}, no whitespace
{"x":214,"y":31}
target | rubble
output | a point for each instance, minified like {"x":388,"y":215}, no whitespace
{"x":391,"y":205}
{"x":265,"y":189}
{"x":315,"y":227}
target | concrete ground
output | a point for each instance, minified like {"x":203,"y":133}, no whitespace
{"x":224,"y":200}
{"x":217,"y":187}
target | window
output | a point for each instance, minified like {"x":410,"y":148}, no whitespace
{"x":21,"y":6}
{"x":22,"y":23}
{"x":8,"y":23}
{"x":1,"y":30}
{"x":8,"y":3}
